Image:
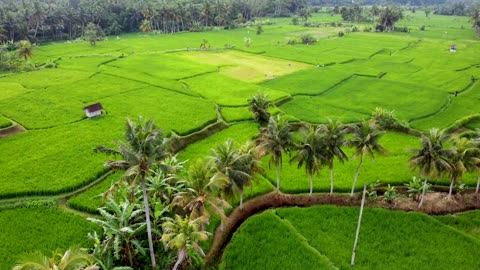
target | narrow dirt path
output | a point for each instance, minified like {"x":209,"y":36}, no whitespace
{"x":436,"y":203}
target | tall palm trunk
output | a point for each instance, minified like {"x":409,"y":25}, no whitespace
{"x":311,"y":184}
{"x":356,"y":177}
{"x":452,"y":182}
{"x":149,"y":225}
{"x":222,"y":224}
{"x":278,"y":176}
{"x":331,"y":180}
{"x":478,"y":185}
{"x":241,"y":199}
{"x":423,"y":193}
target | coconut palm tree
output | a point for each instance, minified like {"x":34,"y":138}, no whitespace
{"x":365,"y":141}
{"x":122,"y":224}
{"x":143,"y":149}
{"x":73,"y":258}
{"x":476,"y":142}
{"x":259,"y":105}
{"x":249,"y":162}
{"x":463,"y":157}
{"x":227,"y":164}
{"x":183,"y":234}
{"x":146,"y":26}
{"x":25,"y":49}
{"x":201,"y":197}
{"x":431,"y":159}
{"x":276,"y":139}
{"x":311,"y":153}
{"x":333,"y":136}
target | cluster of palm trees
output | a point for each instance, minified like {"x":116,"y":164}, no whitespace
{"x":12,"y":53}
{"x":59,"y":19}
{"x":318,"y":145}
{"x":434,"y":160}
{"x":159,"y":201}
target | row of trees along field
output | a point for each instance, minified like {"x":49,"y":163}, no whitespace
{"x":44,"y":20}
{"x":59,"y":19}
{"x":159,"y":213}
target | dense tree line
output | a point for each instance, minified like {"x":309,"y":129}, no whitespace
{"x":38,"y":20}
{"x":376,"y":2}
{"x":457,"y":7}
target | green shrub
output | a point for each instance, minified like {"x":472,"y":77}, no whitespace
{"x":295,"y":19}
{"x":308,"y":39}
{"x":196,"y":27}
{"x":390,"y":194}
{"x":259,"y":29}
{"x":415,"y":188}
{"x":341,"y":34}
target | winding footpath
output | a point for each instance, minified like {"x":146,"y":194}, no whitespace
{"x":436,"y":203}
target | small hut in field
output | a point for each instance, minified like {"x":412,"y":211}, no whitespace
{"x":93,"y":110}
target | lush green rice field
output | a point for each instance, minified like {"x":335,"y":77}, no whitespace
{"x":38,"y":228}
{"x":322,"y":237}
{"x":167,"y":78}
{"x":4,"y":122}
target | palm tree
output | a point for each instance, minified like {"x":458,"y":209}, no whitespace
{"x":122,"y":226}
{"x":276,"y":139}
{"x":73,"y":258}
{"x":200,"y":198}
{"x":476,"y":142}
{"x":144,"y":148}
{"x":249,"y":162}
{"x":365,"y":141}
{"x":146,"y":26}
{"x":475,"y":17}
{"x":25,"y":49}
{"x":311,"y":153}
{"x":333,"y":136}
{"x":184,"y":234}
{"x":431,"y":159}
{"x":227,"y":164}
{"x":259,"y":105}
{"x":463,"y":158}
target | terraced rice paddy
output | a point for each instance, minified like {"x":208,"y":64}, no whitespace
{"x":322,"y":238}
{"x":184,"y":89}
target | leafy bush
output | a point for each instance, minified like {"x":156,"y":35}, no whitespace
{"x":295,"y":20}
{"x":196,"y":27}
{"x":460,"y":188}
{"x":390,"y":194}
{"x":367,"y":29}
{"x":355,"y":29}
{"x":259,"y":29}
{"x":422,"y":27}
{"x":341,"y":34}
{"x":403,"y":29}
{"x":291,"y":41}
{"x":372,"y":190}
{"x":384,"y":119}
{"x":415,"y":188}
{"x":308,"y":39}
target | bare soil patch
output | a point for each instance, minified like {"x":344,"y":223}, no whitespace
{"x":12,"y":130}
